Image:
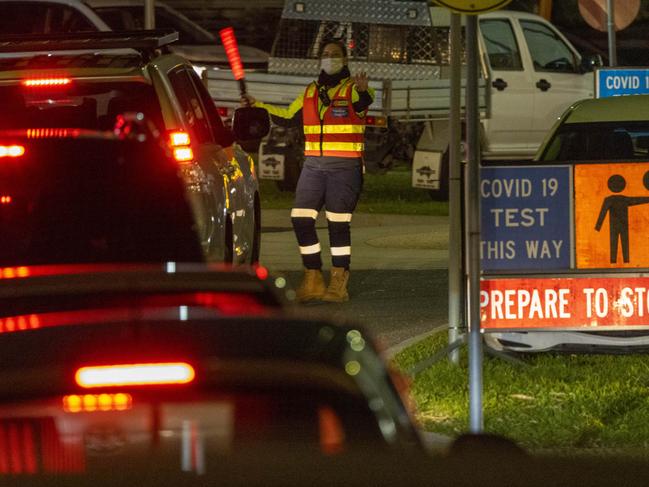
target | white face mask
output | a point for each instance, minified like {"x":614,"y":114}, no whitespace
{"x":331,"y":65}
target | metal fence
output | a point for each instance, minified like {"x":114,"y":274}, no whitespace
{"x":373,"y":43}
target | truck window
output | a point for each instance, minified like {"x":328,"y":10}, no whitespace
{"x":387,"y":44}
{"x":501,"y":45}
{"x":548,"y":51}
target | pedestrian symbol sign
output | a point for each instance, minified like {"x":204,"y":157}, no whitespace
{"x":612,"y":215}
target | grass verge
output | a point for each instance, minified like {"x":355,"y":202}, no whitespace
{"x":389,"y":193}
{"x":555,"y":403}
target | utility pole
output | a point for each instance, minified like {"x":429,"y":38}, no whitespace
{"x":610,"y":24}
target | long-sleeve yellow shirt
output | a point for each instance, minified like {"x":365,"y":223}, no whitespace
{"x":297,"y":104}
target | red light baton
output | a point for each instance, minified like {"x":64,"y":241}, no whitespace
{"x":232,"y":52}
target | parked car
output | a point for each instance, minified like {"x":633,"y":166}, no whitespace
{"x":605,"y":144}
{"x":198,"y":45}
{"x":88,"y":90}
{"x":65,"y":16}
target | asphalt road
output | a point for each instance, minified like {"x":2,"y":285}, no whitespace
{"x":399,"y":280}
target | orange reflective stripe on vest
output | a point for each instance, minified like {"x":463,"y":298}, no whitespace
{"x":340,"y":132}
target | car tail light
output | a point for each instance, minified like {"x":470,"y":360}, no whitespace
{"x":223,"y":111}
{"x":19,"y":323}
{"x":88,"y":403}
{"x":5,"y":199}
{"x":39,"y":82}
{"x":183,"y":154}
{"x":12,"y":150}
{"x":135,"y":374}
{"x":52,"y":133}
{"x":13,"y":272}
{"x":179,"y":138}
{"x":376,"y":121}
{"x":332,"y":434}
{"x":180,"y":144}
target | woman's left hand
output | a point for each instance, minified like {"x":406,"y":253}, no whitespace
{"x":361,"y":81}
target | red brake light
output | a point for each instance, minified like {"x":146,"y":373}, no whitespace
{"x":135,"y":375}
{"x":179,"y":142}
{"x":47,"y":133}
{"x":12,"y":150}
{"x":37,"y":82}
{"x":262,"y":273}
{"x":369,"y":120}
{"x":176,"y":139}
{"x":223,"y":111}
{"x":232,"y":52}
{"x":183,"y":154}
{"x":5,"y":199}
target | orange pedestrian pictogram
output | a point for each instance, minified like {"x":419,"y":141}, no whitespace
{"x":611,"y":215}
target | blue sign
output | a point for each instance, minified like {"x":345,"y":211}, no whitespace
{"x":621,"y":81}
{"x":526,"y":221}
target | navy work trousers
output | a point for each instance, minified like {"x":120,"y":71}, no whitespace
{"x":338,"y":191}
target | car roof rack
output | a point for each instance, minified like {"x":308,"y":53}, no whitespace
{"x":145,"y":41}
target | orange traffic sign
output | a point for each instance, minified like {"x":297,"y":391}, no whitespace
{"x":612,"y":215}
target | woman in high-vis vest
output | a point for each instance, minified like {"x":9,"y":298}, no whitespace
{"x":333,"y":112}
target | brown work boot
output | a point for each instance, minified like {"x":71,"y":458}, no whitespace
{"x":312,"y":286}
{"x":337,"y":290}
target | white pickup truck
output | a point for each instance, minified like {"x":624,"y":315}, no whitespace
{"x":529,"y":74}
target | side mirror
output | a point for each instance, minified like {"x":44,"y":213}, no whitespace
{"x":591,"y":61}
{"x":250,"y":125}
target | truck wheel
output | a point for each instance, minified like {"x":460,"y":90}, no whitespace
{"x":441,"y":194}
{"x":379,"y":161}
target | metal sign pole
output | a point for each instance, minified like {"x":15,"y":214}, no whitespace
{"x":455,"y":281}
{"x":149,"y":14}
{"x":472,"y":200}
{"x":610,"y":23}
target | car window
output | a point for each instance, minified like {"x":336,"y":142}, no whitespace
{"x":119,"y":18}
{"x":76,"y":199}
{"x":548,"y":51}
{"x":84,"y":104}
{"x":222,"y":135}
{"x":501,"y":45}
{"x":187,"y":32}
{"x":70,"y":20}
{"x":132,"y":18}
{"x":599,"y":141}
{"x":189,"y":99}
{"x":36,"y":18}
